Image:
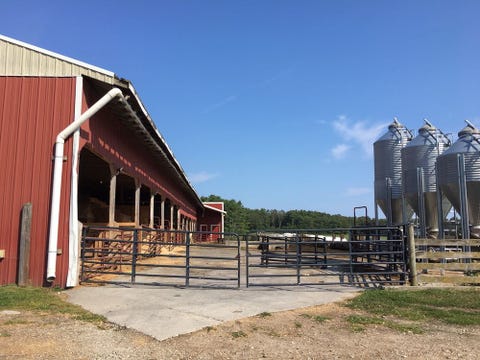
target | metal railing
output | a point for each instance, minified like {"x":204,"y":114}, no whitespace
{"x":159,"y":257}
{"x":354,"y":256}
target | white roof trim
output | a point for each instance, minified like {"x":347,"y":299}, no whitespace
{"x":56,"y":55}
{"x":214,"y":208}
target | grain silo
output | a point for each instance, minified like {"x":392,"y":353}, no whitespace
{"x":388,"y":172}
{"x":419,"y":178}
{"x":459,"y":178}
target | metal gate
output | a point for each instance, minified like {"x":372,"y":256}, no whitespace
{"x":159,"y":257}
{"x":355,"y":256}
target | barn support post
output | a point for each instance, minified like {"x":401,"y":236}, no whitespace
{"x":74,"y":236}
{"x":24,"y":253}
{"x":138,"y":187}
{"x":112,"y":195}
{"x":152,"y":209}
{"x":57,"y":177}
{"x":179,"y":220}
{"x":162,"y":214}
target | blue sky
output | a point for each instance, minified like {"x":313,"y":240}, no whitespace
{"x":275,"y":103}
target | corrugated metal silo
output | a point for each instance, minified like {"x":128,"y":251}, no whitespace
{"x":451,"y":170}
{"x":419,"y":158}
{"x":388,"y":171}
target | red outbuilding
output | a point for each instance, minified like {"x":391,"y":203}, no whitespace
{"x":77,"y":147}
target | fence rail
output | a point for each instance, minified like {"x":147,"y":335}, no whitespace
{"x":355,"y":256}
{"x":358,"y":256}
{"x":448,"y":261}
{"x":158,"y":257}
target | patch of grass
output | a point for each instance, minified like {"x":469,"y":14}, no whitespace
{"x":364,"y":320}
{"x":320,"y":318}
{"x":209,"y":328}
{"x":264,"y":314}
{"x":43,"y":300}
{"x":238,"y":334}
{"x":317,"y":318}
{"x":5,"y":334}
{"x":359,"y":322}
{"x":16,"y":322}
{"x":452,"y":306}
{"x":298,"y":324}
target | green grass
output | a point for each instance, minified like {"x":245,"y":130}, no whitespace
{"x":42,"y":300}
{"x":317,"y":318}
{"x":451,"y":306}
{"x":264,"y":314}
{"x":359,"y":322}
{"x":238,"y":334}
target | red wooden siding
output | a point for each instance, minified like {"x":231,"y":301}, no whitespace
{"x":32,"y":112}
{"x":213,"y":221}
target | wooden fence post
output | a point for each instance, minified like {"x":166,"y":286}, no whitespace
{"x":411,"y":255}
{"x":24,"y":251}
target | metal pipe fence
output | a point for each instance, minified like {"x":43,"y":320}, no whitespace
{"x":370,"y":256}
{"x":354,"y":256}
{"x":159,"y":257}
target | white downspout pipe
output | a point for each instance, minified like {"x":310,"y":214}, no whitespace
{"x":57,"y":177}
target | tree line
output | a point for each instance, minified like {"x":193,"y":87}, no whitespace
{"x":242,"y":220}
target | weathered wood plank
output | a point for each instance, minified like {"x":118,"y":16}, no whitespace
{"x":449,"y":266}
{"x":24,"y":247}
{"x":438,"y":255}
{"x":437,"y":242}
{"x":450,"y":279}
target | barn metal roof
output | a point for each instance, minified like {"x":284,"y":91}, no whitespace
{"x":21,"y":59}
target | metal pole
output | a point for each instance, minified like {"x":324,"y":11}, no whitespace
{"x":412,"y":257}
{"x":440,"y":220}
{"x":297,"y":240}
{"x":134,"y":255}
{"x":82,"y":252}
{"x":421,"y":202}
{"x":247,"y":254}
{"x":462,"y":185}
{"x":350,"y":250}
{"x":388,"y":189}
{"x":187,"y":261}
{"x":239,"y":257}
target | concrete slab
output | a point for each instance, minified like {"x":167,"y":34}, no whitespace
{"x":168,"y":312}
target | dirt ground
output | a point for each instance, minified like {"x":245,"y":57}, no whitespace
{"x":320,"y":332}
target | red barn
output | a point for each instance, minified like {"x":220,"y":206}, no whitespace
{"x":212,"y":221}
{"x":78,"y":147}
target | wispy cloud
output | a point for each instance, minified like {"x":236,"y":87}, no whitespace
{"x":340,"y":151}
{"x":220,"y":104}
{"x":359,"y":132}
{"x":277,"y":76}
{"x":357,"y":191}
{"x":202,"y":177}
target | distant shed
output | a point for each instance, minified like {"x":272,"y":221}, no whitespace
{"x":116,"y":168}
{"x":213,"y":221}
